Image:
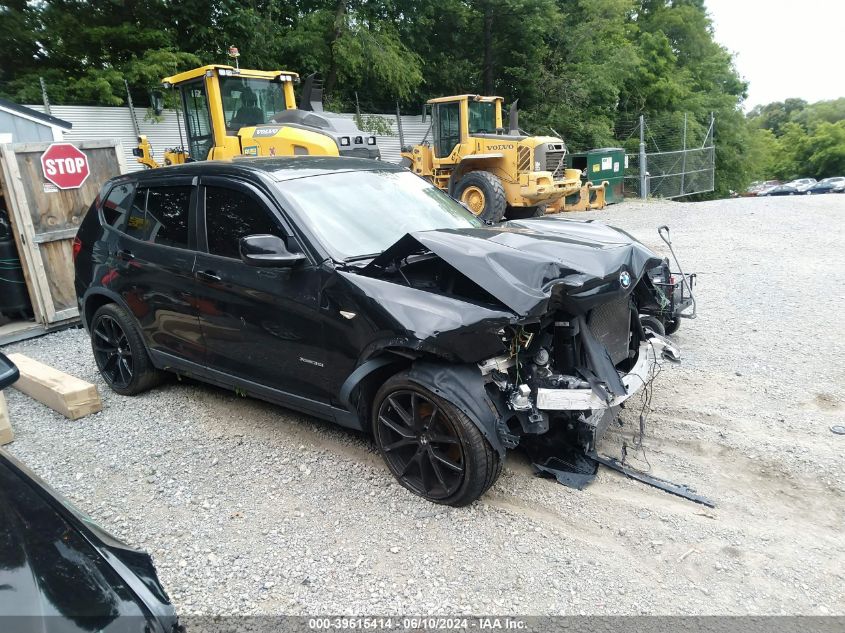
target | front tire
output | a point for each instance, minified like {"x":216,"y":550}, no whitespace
{"x":483,"y":194}
{"x":431,"y":447}
{"x":120,"y":353}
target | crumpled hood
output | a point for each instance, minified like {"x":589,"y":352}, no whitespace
{"x":525,"y":263}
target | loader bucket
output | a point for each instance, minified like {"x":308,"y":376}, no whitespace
{"x":587,"y":198}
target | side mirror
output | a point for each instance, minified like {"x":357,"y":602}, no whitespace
{"x":8,"y":372}
{"x":157,"y":102}
{"x":268,"y":251}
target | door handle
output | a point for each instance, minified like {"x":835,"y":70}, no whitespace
{"x":208,"y":275}
{"x":125,"y":254}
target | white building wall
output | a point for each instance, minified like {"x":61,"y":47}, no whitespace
{"x":96,"y":122}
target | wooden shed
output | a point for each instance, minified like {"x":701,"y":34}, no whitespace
{"x":20,"y":124}
{"x":44,"y":219}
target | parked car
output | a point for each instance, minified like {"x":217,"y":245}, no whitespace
{"x":781,"y":190}
{"x":356,"y":291}
{"x":59,"y":571}
{"x":828,"y":185}
{"x":758,"y":188}
{"x":802,"y":184}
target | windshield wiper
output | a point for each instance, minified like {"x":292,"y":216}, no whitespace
{"x":358,"y":258}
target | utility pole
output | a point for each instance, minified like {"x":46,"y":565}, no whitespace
{"x":643,"y":161}
{"x":713,"y":152}
{"x":131,"y":109}
{"x":44,"y":95}
{"x":684,"y":157}
{"x":358,"y":118}
{"x":399,"y":128}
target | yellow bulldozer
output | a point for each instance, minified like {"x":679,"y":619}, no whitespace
{"x":232,"y":111}
{"x":494,"y":172}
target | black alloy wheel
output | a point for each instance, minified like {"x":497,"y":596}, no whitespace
{"x":421,"y":445}
{"x":120,"y":353}
{"x":112,"y":352}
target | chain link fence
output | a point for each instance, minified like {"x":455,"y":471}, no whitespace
{"x":675,"y":157}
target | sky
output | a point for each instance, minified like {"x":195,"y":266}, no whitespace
{"x":784,"y":48}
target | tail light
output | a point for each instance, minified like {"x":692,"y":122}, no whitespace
{"x":77,"y":246}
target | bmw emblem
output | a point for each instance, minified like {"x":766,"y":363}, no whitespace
{"x":625,"y":278}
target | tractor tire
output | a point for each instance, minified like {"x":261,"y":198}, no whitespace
{"x":483,"y":194}
{"x":524,"y":213}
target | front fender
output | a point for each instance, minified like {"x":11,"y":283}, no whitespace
{"x":464,"y":386}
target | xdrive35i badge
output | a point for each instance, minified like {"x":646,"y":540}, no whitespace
{"x":625,"y":278}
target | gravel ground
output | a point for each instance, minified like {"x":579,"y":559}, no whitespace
{"x":249,"y":508}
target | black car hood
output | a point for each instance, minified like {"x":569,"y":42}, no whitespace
{"x":60,"y":572}
{"x":525,"y":263}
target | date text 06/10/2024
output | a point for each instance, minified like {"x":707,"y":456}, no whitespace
{"x":416,"y":623}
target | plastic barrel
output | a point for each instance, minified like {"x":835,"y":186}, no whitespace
{"x":14,"y":296}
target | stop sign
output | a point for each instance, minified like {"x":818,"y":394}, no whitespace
{"x":65,"y":166}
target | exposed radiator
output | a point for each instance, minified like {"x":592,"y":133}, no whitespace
{"x":610,"y":323}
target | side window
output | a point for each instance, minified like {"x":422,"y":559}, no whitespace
{"x":137,"y":226}
{"x":167,"y":215}
{"x":231,"y":215}
{"x":117,"y":204}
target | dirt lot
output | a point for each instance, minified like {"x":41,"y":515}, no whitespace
{"x":248,"y":508}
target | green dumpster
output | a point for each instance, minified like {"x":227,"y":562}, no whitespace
{"x":596,"y":165}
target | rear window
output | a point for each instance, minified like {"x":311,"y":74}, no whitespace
{"x":167,"y":214}
{"x":117,"y":204}
{"x":160,"y":215}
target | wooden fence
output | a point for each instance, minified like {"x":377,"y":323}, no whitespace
{"x":45,"y":220}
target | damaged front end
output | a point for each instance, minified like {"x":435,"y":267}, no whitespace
{"x":573,"y":350}
{"x":565,"y":379}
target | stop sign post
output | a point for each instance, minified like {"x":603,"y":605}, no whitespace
{"x":65,"y":166}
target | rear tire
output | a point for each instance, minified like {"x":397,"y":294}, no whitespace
{"x":120,"y":353}
{"x":483,"y":194}
{"x":431,"y":447}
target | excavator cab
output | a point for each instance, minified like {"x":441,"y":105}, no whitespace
{"x":233,"y":112}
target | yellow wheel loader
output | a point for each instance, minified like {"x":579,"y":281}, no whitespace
{"x":238,"y":112}
{"x":495,"y":173}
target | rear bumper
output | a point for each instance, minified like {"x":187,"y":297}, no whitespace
{"x":651,"y":354}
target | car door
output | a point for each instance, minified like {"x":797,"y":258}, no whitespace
{"x":259,"y":324}
{"x":154,"y":265}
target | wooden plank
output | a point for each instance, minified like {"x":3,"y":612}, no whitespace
{"x":72,"y":397}
{"x":63,"y":234}
{"x":6,"y":433}
{"x":121,"y":157}
{"x":34,"y":275}
{"x":41,"y":146}
{"x":22,"y":330}
{"x":58,"y":259}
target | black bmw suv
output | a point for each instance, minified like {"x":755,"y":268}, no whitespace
{"x":355,"y":291}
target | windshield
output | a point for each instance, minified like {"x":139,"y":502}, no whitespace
{"x":482,"y":117}
{"x":358,"y":213}
{"x":248,"y":101}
